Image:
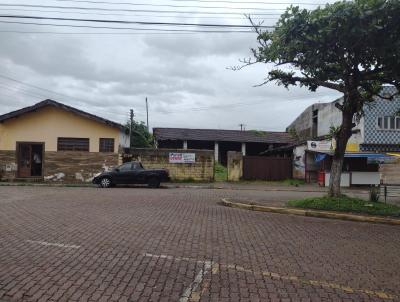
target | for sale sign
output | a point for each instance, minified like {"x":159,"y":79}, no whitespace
{"x":182,"y":158}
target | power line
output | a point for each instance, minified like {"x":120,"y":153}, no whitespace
{"x":133,"y":15}
{"x":132,"y":22}
{"x":134,"y":10}
{"x":166,"y":33}
{"x":41,"y":96}
{"x":129,"y":28}
{"x":175,"y":6}
{"x":200,"y":1}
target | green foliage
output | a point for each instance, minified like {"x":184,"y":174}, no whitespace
{"x":349,"y":46}
{"x":346,"y":204}
{"x":293,"y":133}
{"x":140,"y":137}
{"x":374,"y":193}
{"x":220,"y":172}
{"x":293,"y":182}
{"x":259,"y":133}
{"x":333,"y":132}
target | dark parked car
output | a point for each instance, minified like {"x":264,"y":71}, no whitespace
{"x":132,"y":173}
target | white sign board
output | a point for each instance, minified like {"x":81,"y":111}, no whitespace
{"x":320,"y":145}
{"x":182,"y":158}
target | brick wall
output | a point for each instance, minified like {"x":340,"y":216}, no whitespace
{"x":63,"y":166}
{"x":8,"y":165}
{"x":72,"y":166}
{"x":202,"y":170}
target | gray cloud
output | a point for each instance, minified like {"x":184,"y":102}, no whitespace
{"x":109,"y":74}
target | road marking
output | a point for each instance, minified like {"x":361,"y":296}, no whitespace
{"x":216,"y":267}
{"x":187,"y":293}
{"x":190,"y":291}
{"x":68,"y":246}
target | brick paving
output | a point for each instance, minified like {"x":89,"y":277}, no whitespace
{"x":124,"y":244}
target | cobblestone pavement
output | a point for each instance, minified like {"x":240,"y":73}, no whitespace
{"x":124,"y":244}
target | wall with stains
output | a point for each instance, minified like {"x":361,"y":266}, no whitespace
{"x":201,"y":170}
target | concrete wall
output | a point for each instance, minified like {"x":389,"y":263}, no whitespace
{"x":390,"y":173}
{"x":299,"y":170}
{"x":329,"y":116}
{"x":65,"y":166}
{"x":202,"y":170}
{"x":303,"y":123}
{"x":49,"y":123}
{"x":235,"y":166}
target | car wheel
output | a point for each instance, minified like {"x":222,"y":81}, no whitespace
{"x":154,"y":182}
{"x":105,"y":182}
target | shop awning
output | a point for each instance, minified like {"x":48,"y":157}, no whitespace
{"x":370,"y":156}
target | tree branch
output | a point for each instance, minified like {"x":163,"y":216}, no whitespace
{"x":307,"y":80}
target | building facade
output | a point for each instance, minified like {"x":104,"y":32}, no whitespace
{"x":378,"y":130}
{"x":53,"y":141}
{"x":367,"y":160}
{"x":221,"y":141}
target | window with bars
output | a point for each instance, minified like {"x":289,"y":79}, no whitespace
{"x":389,"y":123}
{"x":106,"y":145}
{"x":72,"y":144}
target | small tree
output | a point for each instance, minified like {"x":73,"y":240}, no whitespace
{"x":140,"y":136}
{"x":352,"y":47}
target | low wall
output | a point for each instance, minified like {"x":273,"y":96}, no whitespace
{"x":201,"y":170}
{"x":73,"y":166}
{"x":390,"y":173}
{"x":63,"y":166}
{"x":8,"y":166}
{"x":235,"y":166}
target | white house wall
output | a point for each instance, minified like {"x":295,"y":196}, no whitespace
{"x":329,"y":116}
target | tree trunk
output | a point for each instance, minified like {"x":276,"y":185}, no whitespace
{"x":337,"y":164}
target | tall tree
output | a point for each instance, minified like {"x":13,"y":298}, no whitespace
{"x":351,"y":46}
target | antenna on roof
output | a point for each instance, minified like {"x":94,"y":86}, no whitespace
{"x":242,"y":127}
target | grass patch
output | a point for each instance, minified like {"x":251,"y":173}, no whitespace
{"x":293,"y":182}
{"x":220,"y":172}
{"x":347,"y":204}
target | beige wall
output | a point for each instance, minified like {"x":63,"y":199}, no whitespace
{"x":49,"y":123}
{"x":202,"y":170}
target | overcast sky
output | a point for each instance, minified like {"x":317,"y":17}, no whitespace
{"x":185,"y":76}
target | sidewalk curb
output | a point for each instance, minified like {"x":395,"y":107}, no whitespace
{"x":273,"y":189}
{"x":311,"y":213}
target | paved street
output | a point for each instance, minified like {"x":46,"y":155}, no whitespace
{"x":139,"y":244}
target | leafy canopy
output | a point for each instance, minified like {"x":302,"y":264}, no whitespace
{"x":140,"y":136}
{"x":352,"y":47}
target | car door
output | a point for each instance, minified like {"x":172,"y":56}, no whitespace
{"x":124,"y":174}
{"x":137,"y":175}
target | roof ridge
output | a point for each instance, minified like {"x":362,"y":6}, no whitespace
{"x":50,"y":102}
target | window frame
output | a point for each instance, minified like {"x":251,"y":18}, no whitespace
{"x":384,"y":123}
{"x":83,"y":146}
{"x":103,"y":147}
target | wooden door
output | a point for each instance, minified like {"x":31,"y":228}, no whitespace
{"x":24,"y":160}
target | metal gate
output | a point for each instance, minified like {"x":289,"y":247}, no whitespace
{"x":266,"y":168}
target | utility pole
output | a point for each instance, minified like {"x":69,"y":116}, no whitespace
{"x":131,"y":115}
{"x":147,"y":113}
{"x":242,"y":127}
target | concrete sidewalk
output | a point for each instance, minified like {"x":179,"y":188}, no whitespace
{"x":265,"y":186}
